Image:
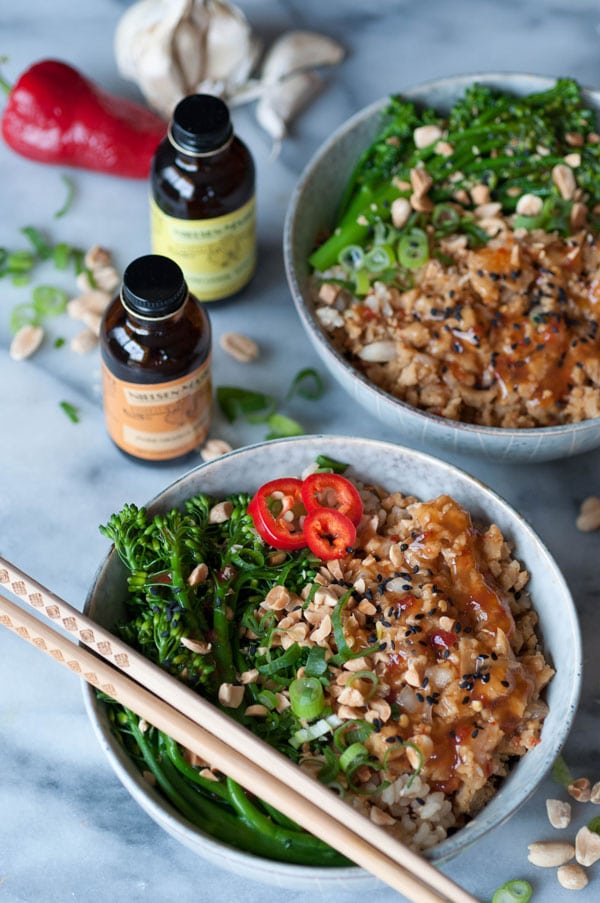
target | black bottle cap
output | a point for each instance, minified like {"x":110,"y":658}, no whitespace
{"x":201,"y":123}
{"x":153,"y":286}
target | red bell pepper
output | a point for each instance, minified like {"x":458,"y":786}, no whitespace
{"x":55,"y":114}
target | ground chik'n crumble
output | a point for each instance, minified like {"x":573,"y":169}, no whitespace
{"x":451,"y":669}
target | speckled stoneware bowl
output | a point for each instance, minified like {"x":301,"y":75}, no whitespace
{"x":410,"y":472}
{"x":311,"y":212}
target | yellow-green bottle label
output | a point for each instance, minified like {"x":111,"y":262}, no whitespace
{"x":217,"y":255}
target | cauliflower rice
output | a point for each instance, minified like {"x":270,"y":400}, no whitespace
{"x":505,"y":335}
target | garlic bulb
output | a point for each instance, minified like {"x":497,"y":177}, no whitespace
{"x":172,"y":48}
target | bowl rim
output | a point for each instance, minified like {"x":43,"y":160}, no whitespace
{"x":313,"y":327}
{"x":161,"y":811}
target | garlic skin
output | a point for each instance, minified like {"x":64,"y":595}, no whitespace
{"x":172,"y":48}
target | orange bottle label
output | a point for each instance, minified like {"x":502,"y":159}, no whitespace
{"x":159,"y":421}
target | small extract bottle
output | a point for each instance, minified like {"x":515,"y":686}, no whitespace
{"x":155,"y":341}
{"x":202,"y":200}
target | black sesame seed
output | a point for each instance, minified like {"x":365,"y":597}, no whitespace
{"x":420,"y":697}
{"x":505,"y":683}
{"x":403,"y":546}
{"x":466,"y":700}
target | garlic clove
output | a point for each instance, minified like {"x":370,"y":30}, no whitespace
{"x":298,"y":50}
{"x":188,"y":53}
{"x":138,"y":22}
{"x":231,"y":50}
{"x":284,"y":100}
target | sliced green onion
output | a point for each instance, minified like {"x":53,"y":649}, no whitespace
{"x":268,"y":699}
{"x":49,"y":301}
{"x":445,"y":217}
{"x":59,"y":342}
{"x":384,"y":233}
{"x":330,"y":464}
{"x":21,"y":279}
{"x":308,"y":383}
{"x":23,"y":315}
{"x":316,"y":663}
{"x":330,"y":770}
{"x":283,"y":661}
{"x":71,"y":411}
{"x":353,"y":731}
{"x":561,"y":773}
{"x":69,"y":198}
{"x":365,"y":675}
{"x":344,"y":650}
{"x":60,"y":255}
{"x":362,"y":283}
{"x":379,"y":258}
{"x":41,"y":246}
{"x":307,"y":698}
{"x":516,"y":891}
{"x":413,"y":249}
{"x":281,"y":426}
{"x":352,"y":258}
{"x":314,"y":731}
{"x":353,"y":755}
{"x":19,"y":261}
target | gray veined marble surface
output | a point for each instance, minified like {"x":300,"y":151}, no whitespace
{"x":68,"y":831}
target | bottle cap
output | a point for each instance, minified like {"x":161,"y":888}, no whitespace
{"x":201,"y":124}
{"x":153,"y":286}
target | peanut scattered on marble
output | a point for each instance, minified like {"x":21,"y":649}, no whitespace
{"x":550,"y":853}
{"x":26,"y":342}
{"x":559,"y":813}
{"x":240,"y":347}
{"x":580,"y":790}
{"x":214,"y":448}
{"x":589,"y":515}
{"x":572,"y":877}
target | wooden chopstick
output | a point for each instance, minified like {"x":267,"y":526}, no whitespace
{"x":197,"y":711}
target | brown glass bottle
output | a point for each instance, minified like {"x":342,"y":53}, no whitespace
{"x":202,"y":199}
{"x":155,"y":341}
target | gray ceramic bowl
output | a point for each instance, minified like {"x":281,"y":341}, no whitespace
{"x":411,"y":472}
{"x":312,"y":211}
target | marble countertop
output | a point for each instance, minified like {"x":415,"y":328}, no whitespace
{"x":68,"y":830}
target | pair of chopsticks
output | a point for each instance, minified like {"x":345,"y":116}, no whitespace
{"x":129,"y":678}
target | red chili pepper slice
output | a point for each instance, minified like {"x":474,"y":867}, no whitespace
{"x":330,"y":490}
{"x":271,"y":507}
{"x":328,"y":533}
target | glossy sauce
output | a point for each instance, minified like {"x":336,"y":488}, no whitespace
{"x":446,"y":558}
